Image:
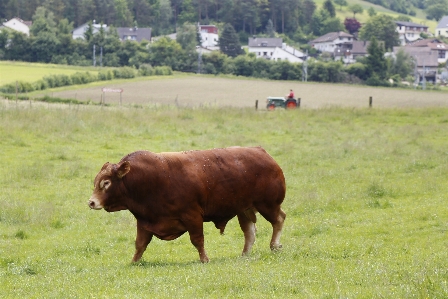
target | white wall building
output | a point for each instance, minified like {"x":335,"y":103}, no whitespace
{"x":209,"y":36}
{"x":409,"y":32}
{"x":332,"y":41}
{"x":18,"y":25}
{"x":79,"y":31}
{"x":442,"y":27}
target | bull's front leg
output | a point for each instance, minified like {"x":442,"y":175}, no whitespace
{"x":196,"y":231}
{"x":142,"y":240}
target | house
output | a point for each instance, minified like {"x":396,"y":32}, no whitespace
{"x":134,"y":34}
{"x":439,"y":48}
{"x":288,"y":53}
{"x":209,"y":36}
{"x":264,"y":46}
{"x":18,"y":25}
{"x":442,"y":27}
{"x":409,"y":32}
{"x":349,"y":52}
{"x":333,"y":41}
{"x":425,"y":59}
{"x":274,"y":49}
{"x":81,"y":30}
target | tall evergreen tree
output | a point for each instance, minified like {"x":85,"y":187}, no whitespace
{"x":376,"y":62}
{"x":229,"y":43}
{"x":329,"y":6}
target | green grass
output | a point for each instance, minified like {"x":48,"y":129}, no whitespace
{"x":31,"y":72}
{"x":343,"y":13}
{"x":365,"y":204}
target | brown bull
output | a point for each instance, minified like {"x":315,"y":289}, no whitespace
{"x":172,"y":193}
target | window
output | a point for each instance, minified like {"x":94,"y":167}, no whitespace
{"x":441,"y":54}
{"x":264,"y":44}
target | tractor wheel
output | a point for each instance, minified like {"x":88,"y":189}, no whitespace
{"x":271,"y":107}
{"x":291,"y":105}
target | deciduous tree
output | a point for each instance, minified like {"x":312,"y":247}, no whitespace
{"x":381,"y":27}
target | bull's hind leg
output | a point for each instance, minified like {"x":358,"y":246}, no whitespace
{"x":276,"y":216}
{"x":248,"y":228}
{"x":277,"y":227}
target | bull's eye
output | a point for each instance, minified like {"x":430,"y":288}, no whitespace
{"x":104,"y":184}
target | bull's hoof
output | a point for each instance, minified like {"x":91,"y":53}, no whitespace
{"x":205,"y":260}
{"x":276,"y":247}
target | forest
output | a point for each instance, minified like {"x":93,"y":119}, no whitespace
{"x":163,"y":16}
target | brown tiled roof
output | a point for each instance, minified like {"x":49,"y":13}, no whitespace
{"x":424,"y":55}
{"x":360,"y":47}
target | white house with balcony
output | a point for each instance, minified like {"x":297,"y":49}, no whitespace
{"x":409,"y":32}
{"x":18,"y":25}
{"x":442,"y":27}
{"x":332,"y":41}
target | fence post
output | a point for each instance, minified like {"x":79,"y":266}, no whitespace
{"x":256,"y":104}
{"x":298,"y":102}
{"x":370,"y":102}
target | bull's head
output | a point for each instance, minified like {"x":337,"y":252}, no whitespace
{"x":108,"y":187}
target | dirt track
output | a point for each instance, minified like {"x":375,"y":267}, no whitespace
{"x":197,"y":90}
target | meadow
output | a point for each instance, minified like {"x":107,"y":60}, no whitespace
{"x":365,"y":203}
{"x":23,"y":71}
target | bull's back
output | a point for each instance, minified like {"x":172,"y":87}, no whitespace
{"x":230,"y":179}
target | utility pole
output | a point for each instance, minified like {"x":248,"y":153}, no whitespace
{"x":305,"y":68}
{"x":94,"y":58}
{"x":200,"y":60}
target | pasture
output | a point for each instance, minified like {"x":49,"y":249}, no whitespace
{"x":210,"y":91}
{"x":366,"y":203}
{"x":11,"y":72}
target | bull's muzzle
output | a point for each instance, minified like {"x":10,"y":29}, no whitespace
{"x":94,"y":205}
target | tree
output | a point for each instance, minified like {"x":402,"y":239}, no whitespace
{"x":332,"y":25}
{"x":438,"y":10}
{"x":341,"y":3}
{"x":229,"y":43}
{"x":356,"y":8}
{"x":270,"y":29}
{"x":371,"y":11}
{"x":328,"y":6}
{"x":402,"y":64}
{"x":187,"y":36}
{"x":376,"y":62}
{"x":381,"y":27}
{"x":352,"y":25}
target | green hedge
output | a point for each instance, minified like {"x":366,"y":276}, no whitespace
{"x":77,"y":78}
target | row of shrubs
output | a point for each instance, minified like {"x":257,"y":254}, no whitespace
{"x":52,"y":81}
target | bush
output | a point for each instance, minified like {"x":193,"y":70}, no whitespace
{"x":105,"y":75}
{"x":82,"y":78}
{"x":124,"y":73}
{"x":146,"y":70}
{"x":376,"y":81}
{"x":163,"y":71}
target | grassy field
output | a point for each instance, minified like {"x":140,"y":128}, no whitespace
{"x":365,"y":204}
{"x":210,"y":91}
{"x":343,"y":13}
{"x":11,"y":72}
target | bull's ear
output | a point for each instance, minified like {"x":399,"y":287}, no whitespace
{"x":105,"y":165}
{"x":123,"y":169}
